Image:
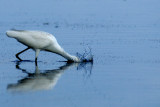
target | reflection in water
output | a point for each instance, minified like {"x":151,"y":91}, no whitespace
{"x":87,"y":67}
{"x":42,"y":81}
{"x":38,"y":81}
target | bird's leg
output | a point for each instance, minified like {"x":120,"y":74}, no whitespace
{"x":17,"y":55}
{"x":36,"y":56}
{"x":36,"y":61}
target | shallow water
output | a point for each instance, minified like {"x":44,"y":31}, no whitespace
{"x":124,"y":38}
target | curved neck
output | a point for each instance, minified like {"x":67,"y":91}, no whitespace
{"x":60,"y":51}
{"x":66,"y":55}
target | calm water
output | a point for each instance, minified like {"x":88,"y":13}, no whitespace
{"x":125,"y":40}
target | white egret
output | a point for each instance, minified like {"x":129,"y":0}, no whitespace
{"x":39,"y":40}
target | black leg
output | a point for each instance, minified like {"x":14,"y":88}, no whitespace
{"x":17,"y":55}
{"x":36,"y":61}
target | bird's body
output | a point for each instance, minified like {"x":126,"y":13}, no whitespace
{"x":39,"y":40}
{"x":36,"y":40}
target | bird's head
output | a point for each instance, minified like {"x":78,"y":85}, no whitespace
{"x":74,"y":59}
{"x":80,"y":58}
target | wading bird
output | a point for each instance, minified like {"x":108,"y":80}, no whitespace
{"x":39,"y":40}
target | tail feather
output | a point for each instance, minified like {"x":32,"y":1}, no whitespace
{"x":12,"y":33}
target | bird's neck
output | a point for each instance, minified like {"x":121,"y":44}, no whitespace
{"x":68,"y":56}
{"x":60,"y":51}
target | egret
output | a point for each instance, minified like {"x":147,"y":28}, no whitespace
{"x":39,"y":40}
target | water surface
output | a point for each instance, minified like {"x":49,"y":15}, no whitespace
{"x":124,"y":38}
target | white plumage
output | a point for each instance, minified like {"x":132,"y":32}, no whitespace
{"x":39,"y":40}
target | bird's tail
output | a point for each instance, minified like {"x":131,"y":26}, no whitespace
{"x":12,"y":33}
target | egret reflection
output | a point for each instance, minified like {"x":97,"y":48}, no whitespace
{"x":45,"y":80}
{"x":37,"y":80}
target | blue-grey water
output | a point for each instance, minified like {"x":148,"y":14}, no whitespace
{"x":124,"y":36}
